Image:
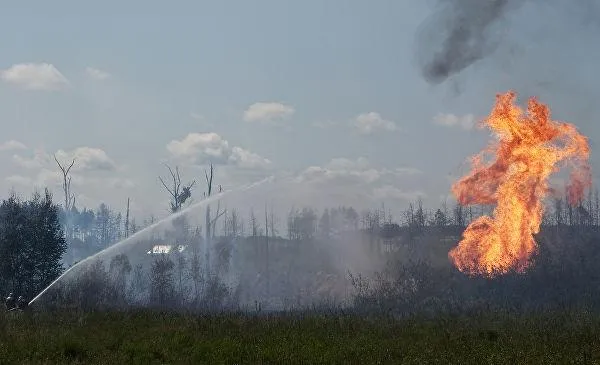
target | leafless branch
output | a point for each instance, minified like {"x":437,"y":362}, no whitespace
{"x":65,"y":171}
{"x":218,"y":215}
{"x":209,"y":179}
{"x":178,"y":193}
{"x":69,"y":197}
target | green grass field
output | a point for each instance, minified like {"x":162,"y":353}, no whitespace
{"x":154,"y":338}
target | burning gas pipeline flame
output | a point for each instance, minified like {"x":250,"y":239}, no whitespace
{"x":528,"y":150}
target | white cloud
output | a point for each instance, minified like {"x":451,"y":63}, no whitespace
{"x":95,"y":177}
{"x":341,"y":171}
{"x":357,"y":182}
{"x":91,"y":171}
{"x":369,"y":123}
{"x":53,"y":179}
{"x":40,"y":158}
{"x":246,"y":159}
{"x":43,"y":178}
{"x":201,"y":148}
{"x":346,"y":171}
{"x":452,"y":120}
{"x":35,"y":76}
{"x":97,"y":74}
{"x":87,"y":158}
{"x":270,"y":112}
{"x":319,"y":174}
{"x":12,"y":145}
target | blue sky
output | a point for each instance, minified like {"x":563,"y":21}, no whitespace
{"x":334,"y":80}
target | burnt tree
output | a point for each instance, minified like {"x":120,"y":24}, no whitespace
{"x":127,"y":220}
{"x":179,"y":193}
{"x":69,"y":197}
{"x":210,"y":222}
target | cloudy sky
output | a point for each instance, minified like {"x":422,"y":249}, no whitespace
{"x":330,"y":91}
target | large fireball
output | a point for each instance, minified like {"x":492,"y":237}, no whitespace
{"x":529,"y":148}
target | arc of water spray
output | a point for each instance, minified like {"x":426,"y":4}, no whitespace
{"x":139,"y":233}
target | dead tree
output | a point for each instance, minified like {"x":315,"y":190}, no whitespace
{"x":218,"y":215}
{"x":127,"y":220}
{"x":267,"y":271}
{"x":210,"y":222}
{"x":69,"y":197}
{"x":272,"y":223}
{"x":179,"y":193}
{"x":597,"y":208}
{"x":232,"y":226}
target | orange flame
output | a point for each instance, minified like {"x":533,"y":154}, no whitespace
{"x":528,"y":150}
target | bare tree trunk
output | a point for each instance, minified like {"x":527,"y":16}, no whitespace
{"x":267,"y":254}
{"x":208,"y":222}
{"x":218,"y":215}
{"x":207,"y":243}
{"x":253,"y":224}
{"x":597,"y":207}
{"x":272,"y":223}
{"x":69,"y":197}
{"x":127,"y":220}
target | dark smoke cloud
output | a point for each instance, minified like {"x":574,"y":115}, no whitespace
{"x":460,"y":33}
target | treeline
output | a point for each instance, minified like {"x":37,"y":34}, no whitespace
{"x":31,"y":244}
{"x":303,"y":224}
{"x":98,"y":227}
{"x":416,"y":220}
{"x":24,"y":243}
{"x":91,"y":230}
{"x":169,"y":282}
{"x":294,"y":273}
{"x":103,"y":226}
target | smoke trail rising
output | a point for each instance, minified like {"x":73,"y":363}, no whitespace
{"x":458,"y":34}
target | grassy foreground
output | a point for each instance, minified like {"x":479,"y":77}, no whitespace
{"x":155,"y":338}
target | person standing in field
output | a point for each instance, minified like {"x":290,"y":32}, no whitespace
{"x":21,"y":303}
{"x":10,"y":302}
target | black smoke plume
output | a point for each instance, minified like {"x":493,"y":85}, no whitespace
{"x":460,"y":33}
